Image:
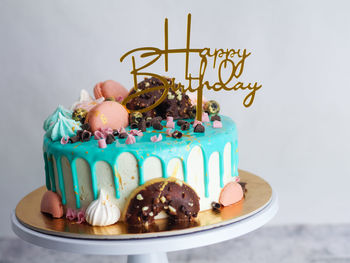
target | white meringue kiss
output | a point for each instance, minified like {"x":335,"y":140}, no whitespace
{"x":102,"y":212}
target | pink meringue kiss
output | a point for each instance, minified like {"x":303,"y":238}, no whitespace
{"x":205,"y":117}
{"x":110,"y":89}
{"x":217,"y":124}
{"x":108,"y":114}
{"x":157,"y":139}
{"x":64,"y":139}
{"x":102,"y":143}
{"x":51,"y":204}
{"x":130,"y":140}
{"x":230,"y":194}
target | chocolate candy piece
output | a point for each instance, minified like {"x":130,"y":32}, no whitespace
{"x":212,"y":107}
{"x":192,"y":112}
{"x":115,"y":132}
{"x":215,"y":206}
{"x":157,"y":126}
{"x":123,"y":135}
{"x":142,"y":126}
{"x":148,"y":122}
{"x":136,"y":117}
{"x":85,"y":127}
{"x":85,"y":136}
{"x":180,"y":122}
{"x":176,"y":134}
{"x":79,"y":115}
{"x":185,"y":126}
{"x":80,"y":133}
{"x":176,"y":103}
{"x":110,"y":139}
{"x":215,"y":118}
{"x":156,"y":119}
{"x":199,"y":128}
{"x":134,"y":125}
{"x":171,"y":195}
{"x":74,"y":139}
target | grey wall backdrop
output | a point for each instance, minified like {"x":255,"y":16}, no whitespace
{"x":296,"y":134}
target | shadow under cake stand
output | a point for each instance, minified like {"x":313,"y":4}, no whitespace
{"x":147,"y":245}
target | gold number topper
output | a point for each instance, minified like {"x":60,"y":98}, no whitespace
{"x":228,"y":55}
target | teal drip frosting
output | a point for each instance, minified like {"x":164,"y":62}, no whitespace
{"x":52,"y":119}
{"x":213,"y":140}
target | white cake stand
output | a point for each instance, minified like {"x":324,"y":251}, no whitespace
{"x":149,"y":250}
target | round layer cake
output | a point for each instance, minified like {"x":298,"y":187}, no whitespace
{"x":205,"y":161}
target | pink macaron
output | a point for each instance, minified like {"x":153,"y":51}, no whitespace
{"x":51,"y":204}
{"x":108,"y":114}
{"x":230,"y":194}
{"x":110,"y":89}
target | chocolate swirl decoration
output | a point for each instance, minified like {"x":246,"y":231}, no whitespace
{"x":171,"y":195}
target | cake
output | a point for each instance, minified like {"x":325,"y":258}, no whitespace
{"x":107,"y":162}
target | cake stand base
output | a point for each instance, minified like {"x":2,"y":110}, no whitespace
{"x":153,"y":249}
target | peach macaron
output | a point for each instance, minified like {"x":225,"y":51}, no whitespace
{"x":108,"y":114}
{"x":230,"y":194}
{"x":110,"y":89}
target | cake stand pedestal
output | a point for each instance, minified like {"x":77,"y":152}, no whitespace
{"x":152,"y":249}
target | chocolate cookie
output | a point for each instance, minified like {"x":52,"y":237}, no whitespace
{"x":171,"y":195}
{"x":176,"y":104}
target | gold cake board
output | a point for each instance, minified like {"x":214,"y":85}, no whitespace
{"x":257,"y":197}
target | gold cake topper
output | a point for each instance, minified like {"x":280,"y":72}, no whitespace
{"x":230,"y":57}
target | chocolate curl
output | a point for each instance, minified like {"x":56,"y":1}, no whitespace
{"x":136,"y":133}
{"x":110,"y":139}
{"x":199,"y":128}
{"x":176,"y":134}
{"x":215,"y":118}
{"x":85,"y":136}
